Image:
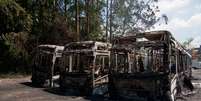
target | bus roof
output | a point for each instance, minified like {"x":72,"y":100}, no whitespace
{"x":87,"y":47}
{"x":56,"y":47}
{"x":150,"y":36}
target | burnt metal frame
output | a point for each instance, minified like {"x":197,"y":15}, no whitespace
{"x":56,"y":53}
{"x":90,"y":48}
{"x":130,"y":42}
{"x":165,"y":41}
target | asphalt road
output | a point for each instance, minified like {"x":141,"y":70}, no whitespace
{"x":196,"y":80}
{"x":20,"y":89}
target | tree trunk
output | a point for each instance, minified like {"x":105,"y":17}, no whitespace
{"x":111,"y":20}
{"x":107,"y":11}
{"x":87,"y":15}
{"x":77,"y":21}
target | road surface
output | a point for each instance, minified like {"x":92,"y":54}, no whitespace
{"x":20,"y":89}
{"x":196,"y":80}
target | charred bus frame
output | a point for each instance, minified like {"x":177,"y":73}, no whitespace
{"x":46,"y":64}
{"x":85,"y":67}
{"x":155,"y":65}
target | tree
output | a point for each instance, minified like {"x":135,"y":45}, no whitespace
{"x":13,"y":18}
{"x":77,"y":20}
{"x":87,"y":15}
{"x":111,"y":18}
{"x":26,"y":23}
{"x":107,"y":13}
{"x":186,"y":44}
{"x":15,"y":25}
{"x":132,"y":16}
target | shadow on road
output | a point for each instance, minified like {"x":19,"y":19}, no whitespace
{"x":76,"y":95}
{"x":56,"y":91}
{"x":30,"y":85}
{"x":71,"y":94}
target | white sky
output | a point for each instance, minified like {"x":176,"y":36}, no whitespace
{"x":184,"y":19}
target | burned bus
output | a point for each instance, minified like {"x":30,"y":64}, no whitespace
{"x":148,"y":66}
{"x":46,"y":65}
{"x":85,"y":68}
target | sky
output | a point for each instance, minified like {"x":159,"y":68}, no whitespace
{"x":184,"y":19}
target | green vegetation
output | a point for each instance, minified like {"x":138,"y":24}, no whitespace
{"x":187,"y":43}
{"x":26,"y":23}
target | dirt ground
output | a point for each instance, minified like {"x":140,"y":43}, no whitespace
{"x":20,"y":89}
